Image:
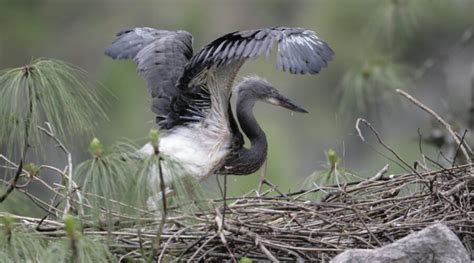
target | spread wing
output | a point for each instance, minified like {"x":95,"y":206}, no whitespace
{"x":300,"y":51}
{"x":160,"y":56}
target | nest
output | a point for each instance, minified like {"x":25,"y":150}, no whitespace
{"x":301,"y":227}
{"x":311,"y":225}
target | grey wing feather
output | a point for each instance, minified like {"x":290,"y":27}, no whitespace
{"x":162,"y":61}
{"x":300,"y":51}
{"x":160,"y":56}
{"x":130,"y":41}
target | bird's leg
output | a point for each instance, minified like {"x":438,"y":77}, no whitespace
{"x":223,"y":193}
{"x":225,"y":199}
{"x":263,"y":176}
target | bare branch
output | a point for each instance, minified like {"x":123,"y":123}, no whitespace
{"x":69,"y":175}
{"x":439,"y":119}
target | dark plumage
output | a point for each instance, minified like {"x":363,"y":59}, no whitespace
{"x":242,"y":161}
{"x":161,"y":57}
{"x":191,"y":93}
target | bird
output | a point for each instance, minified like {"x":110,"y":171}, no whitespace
{"x":191,"y":92}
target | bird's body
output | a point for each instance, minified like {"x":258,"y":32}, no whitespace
{"x":191,"y":93}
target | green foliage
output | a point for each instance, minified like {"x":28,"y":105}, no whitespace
{"x":96,"y":148}
{"x":18,"y":204}
{"x":89,"y":250}
{"x":46,"y":91}
{"x":245,"y":260}
{"x":332,"y":157}
{"x":147,"y":181}
{"x":395,"y":21}
{"x":366,"y":87}
{"x":31,"y":168}
{"x":17,"y":244}
{"x":7,"y":223}
{"x":106,"y":180}
{"x":370,"y":84}
{"x":187,"y":193}
{"x":154,"y":137}
{"x":70,"y":226}
{"x":77,"y":247}
{"x":330,"y":176}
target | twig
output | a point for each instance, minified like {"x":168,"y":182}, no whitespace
{"x":220,"y":231}
{"x":458,"y":147}
{"x":201,"y":247}
{"x":365,"y":226}
{"x":12,"y":184}
{"x":257,"y":239}
{"x":14,"y":166}
{"x":439,"y":119}
{"x":69,"y":175}
{"x":420,"y":149}
{"x":359,"y":120}
{"x":457,"y":187}
{"x":275,"y":188}
{"x":162,"y":253}
{"x":359,"y":133}
{"x":379,"y":175}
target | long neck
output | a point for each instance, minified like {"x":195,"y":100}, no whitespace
{"x":242,"y":160}
{"x":249,"y":125}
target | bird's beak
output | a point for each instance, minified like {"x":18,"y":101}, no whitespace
{"x":285,"y":102}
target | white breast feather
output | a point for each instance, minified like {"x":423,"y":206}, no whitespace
{"x":196,"y":149}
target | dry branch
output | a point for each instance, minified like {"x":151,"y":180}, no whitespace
{"x":440,"y":120}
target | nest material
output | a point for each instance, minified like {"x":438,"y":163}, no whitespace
{"x":299,"y":227}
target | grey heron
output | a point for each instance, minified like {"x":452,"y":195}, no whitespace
{"x":191,"y":93}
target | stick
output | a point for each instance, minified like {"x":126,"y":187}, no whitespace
{"x":439,"y":119}
{"x":71,"y":183}
{"x":368,"y":124}
{"x":13,"y":183}
{"x":379,"y":175}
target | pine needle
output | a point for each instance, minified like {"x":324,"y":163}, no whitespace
{"x":51,"y":91}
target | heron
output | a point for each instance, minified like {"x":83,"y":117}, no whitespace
{"x":191,"y":92}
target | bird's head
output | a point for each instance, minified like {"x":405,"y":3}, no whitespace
{"x":254,"y":88}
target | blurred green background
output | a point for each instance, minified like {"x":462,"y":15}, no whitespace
{"x":421,"y":46}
